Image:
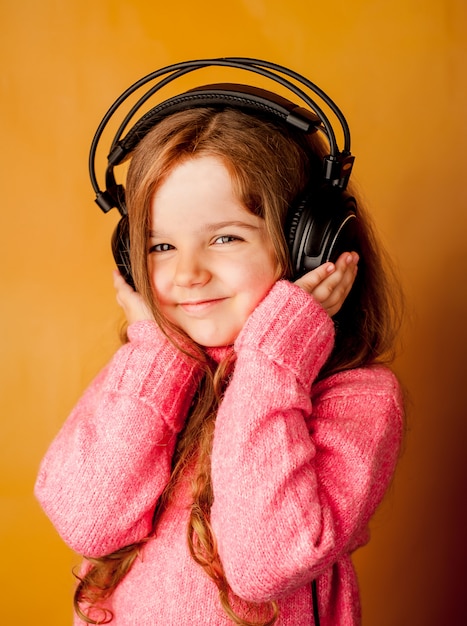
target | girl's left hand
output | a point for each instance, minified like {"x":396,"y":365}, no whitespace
{"x":330,"y":283}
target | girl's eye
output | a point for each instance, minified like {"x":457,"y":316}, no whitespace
{"x":225,"y":239}
{"x":161,"y":247}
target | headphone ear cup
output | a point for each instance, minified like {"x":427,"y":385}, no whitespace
{"x":121,"y":249}
{"x":320,"y":228}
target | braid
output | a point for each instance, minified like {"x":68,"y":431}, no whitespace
{"x":201,"y":539}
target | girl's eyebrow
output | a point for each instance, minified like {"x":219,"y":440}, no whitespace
{"x":227,"y":224}
{"x":212,"y":227}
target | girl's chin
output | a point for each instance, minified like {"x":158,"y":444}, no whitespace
{"x":213,"y":340}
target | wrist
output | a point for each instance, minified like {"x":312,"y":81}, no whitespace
{"x":292,"y":329}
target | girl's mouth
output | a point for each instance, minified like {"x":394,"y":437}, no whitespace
{"x":199,"y":306}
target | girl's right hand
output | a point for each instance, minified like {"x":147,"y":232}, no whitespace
{"x":133,"y":305}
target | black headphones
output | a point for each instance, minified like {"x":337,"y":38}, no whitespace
{"x":320,"y":226}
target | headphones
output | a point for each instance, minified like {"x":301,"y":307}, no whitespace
{"x":319,"y":226}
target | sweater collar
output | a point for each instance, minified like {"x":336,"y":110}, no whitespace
{"x":218,"y":353}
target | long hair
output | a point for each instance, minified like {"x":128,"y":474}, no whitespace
{"x":270,"y":166}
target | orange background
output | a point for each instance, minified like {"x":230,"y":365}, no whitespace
{"x":398,"y":69}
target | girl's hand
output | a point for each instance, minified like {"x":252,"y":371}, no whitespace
{"x":330,"y":283}
{"x":133,"y":305}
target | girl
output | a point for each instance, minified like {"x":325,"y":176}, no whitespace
{"x":229,"y":458}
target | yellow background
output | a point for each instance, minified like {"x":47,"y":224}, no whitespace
{"x":398,"y":69}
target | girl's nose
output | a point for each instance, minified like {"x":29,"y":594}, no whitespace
{"x":191,"y":270}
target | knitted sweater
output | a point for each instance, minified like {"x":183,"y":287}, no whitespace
{"x":298,"y":469}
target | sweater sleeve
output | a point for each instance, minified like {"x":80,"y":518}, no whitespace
{"x":103,"y":473}
{"x":295,"y":482}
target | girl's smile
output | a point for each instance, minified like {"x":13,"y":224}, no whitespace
{"x":210,"y":260}
{"x":200,"y":306}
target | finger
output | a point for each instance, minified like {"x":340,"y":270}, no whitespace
{"x":339,"y":284}
{"x":133,"y":305}
{"x":336,"y":299}
{"x":332,"y":292}
{"x":120,"y":283}
{"x":311,"y":280}
{"x":346,"y":260}
{"x":324,"y":279}
{"x":343,"y":278}
{"x":122,"y":289}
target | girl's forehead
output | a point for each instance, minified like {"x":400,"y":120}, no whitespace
{"x":198,"y":189}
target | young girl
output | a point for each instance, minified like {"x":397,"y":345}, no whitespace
{"x":228,"y":459}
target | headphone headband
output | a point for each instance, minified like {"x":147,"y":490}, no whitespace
{"x":218,"y":95}
{"x":337,"y":165}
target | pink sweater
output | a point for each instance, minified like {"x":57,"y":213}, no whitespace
{"x":298,"y":469}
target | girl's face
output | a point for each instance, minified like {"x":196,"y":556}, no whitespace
{"x":210,"y":260}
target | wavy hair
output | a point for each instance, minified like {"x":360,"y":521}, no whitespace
{"x":270,"y":166}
